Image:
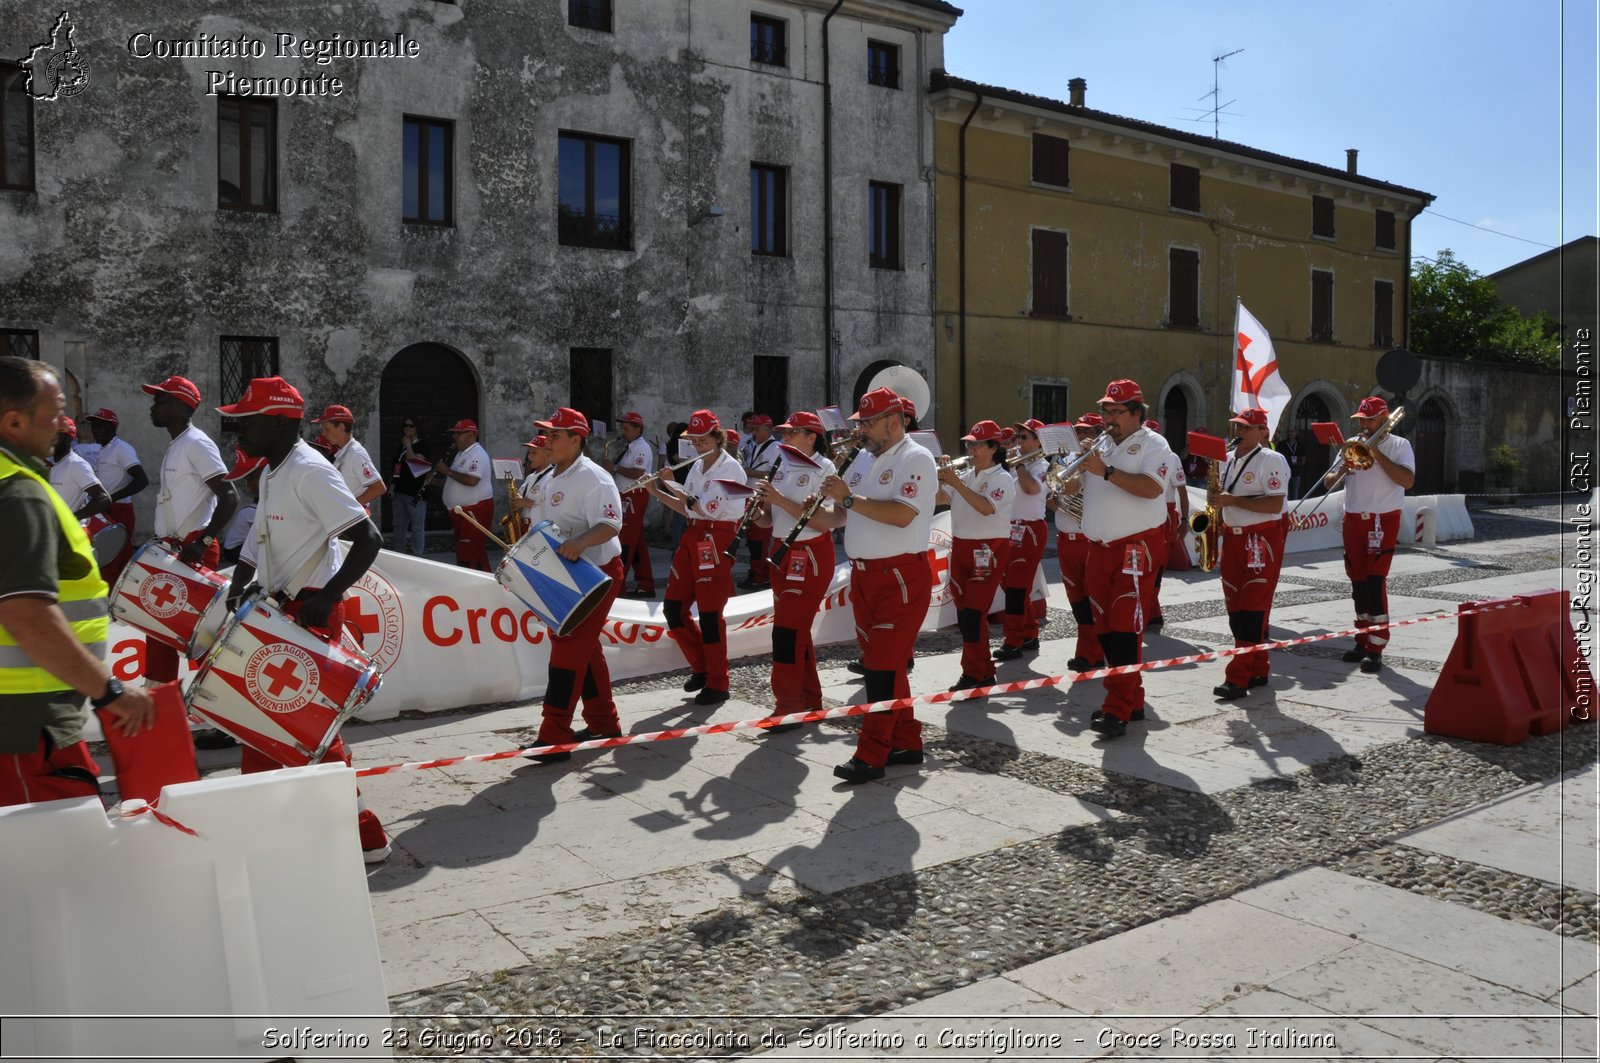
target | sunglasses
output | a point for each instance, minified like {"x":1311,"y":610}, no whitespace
{"x":408,"y":424}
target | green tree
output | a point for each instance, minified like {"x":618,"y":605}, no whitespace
{"x":1456,"y":313}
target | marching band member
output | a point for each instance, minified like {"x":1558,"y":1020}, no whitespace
{"x":581,"y":500}
{"x":980,"y":530}
{"x":536,"y":465}
{"x":470,"y":485}
{"x":295,"y":550}
{"x":194,"y":503}
{"x":804,"y":572}
{"x":350,"y":457}
{"x":1250,"y":498}
{"x":116,"y":466}
{"x":634,"y":463}
{"x":1373,"y":499}
{"x":1125,"y":517}
{"x":700,"y":574}
{"x":73,"y":478}
{"x":53,"y":619}
{"x":1177,"y":520}
{"x":757,"y":456}
{"x":1027,"y":545}
{"x":246,"y":469}
{"x":1072,"y":552}
{"x":887,"y":524}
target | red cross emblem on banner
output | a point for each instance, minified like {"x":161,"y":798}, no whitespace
{"x":938,"y":565}
{"x":355,"y":612}
{"x":1252,"y":379}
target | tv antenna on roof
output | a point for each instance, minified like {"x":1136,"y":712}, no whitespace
{"x":1216,"y":92}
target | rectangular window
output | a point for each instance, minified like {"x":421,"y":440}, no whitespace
{"x":767,"y":41}
{"x":1049,"y":273}
{"x":1383,"y":234}
{"x":1050,"y":403}
{"x":884,"y":252}
{"x":1322,"y":216}
{"x":1322,"y":304}
{"x":1183,"y":288}
{"x":769,"y":218}
{"x":589,"y":377}
{"x":1185,"y":187}
{"x":16,"y":128}
{"x":1383,"y":313}
{"x":1050,"y":160}
{"x":883,"y":64}
{"x":20,"y":343}
{"x":596,"y":207}
{"x":428,"y":181}
{"x":243,"y":359}
{"x":771,"y":386}
{"x":247,"y":153}
{"x":590,"y":14}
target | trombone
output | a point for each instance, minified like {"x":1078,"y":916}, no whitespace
{"x":1353,"y":454}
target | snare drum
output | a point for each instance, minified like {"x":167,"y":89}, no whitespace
{"x":162,"y":596}
{"x":107,"y":537}
{"x":562,"y":593}
{"x":278,"y":688}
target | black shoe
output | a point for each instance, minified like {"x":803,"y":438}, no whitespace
{"x":856,"y":668}
{"x":1134,"y":717}
{"x":1155,"y":625}
{"x":781,"y":728}
{"x":1030,"y":645}
{"x":1229,"y":691}
{"x":905,"y":756}
{"x":856,"y":770}
{"x":968,"y":682}
{"x":641,"y":595}
{"x":211,"y":738}
{"x":1371,"y":663}
{"x":550,"y":758}
{"x":583,"y":734}
{"x":1008,"y":653}
{"x":911,"y":662}
{"x":1078,"y":664}
{"x":1258,"y":681}
{"x":1352,"y":656}
{"x":708,"y":696}
{"x":1108,"y":726}
{"x":694,"y":682}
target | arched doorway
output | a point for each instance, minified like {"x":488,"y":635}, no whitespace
{"x":1429,"y":441}
{"x":436,"y":385}
{"x":1175,"y":419}
{"x":1315,"y":457}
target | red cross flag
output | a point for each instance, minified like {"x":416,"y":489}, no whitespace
{"x":1256,"y":380}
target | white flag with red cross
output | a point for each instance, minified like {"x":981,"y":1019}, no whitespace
{"x":1256,"y":380}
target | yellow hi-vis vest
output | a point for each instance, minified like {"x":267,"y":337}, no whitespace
{"x":82,"y":600}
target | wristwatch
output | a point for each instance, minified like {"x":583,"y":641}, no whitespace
{"x":113,"y":692}
{"x":849,"y":501}
{"x":1108,"y":472}
{"x":207,"y":540}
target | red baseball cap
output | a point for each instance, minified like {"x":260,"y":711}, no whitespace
{"x":702,"y":423}
{"x":323,"y":447}
{"x":1090,"y":420}
{"x":1032,"y":424}
{"x":1255,"y":417}
{"x":1152,"y":424}
{"x":102,"y":414}
{"x":1372,"y":406}
{"x":466,"y":424}
{"x":175,"y":385}
{"x":568,"y":420}
{"x":539,"y":442}
{"x":270,"y":396}
{"x":631,"y":418}
{"x":337,"y":413}
{"x":1122,"y":391}
{"x":733,"y":436}
{"x":983,"y":432}
{"x":759,"y":419}
{"x":243,"y":465}
{"x":878,"y":402}
{"x":805,"y":419}
{"x":66,"y":425}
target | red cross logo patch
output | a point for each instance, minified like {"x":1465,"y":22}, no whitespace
{"x":281,"y":678}
{"x":908,"y":489}
{"x":163,"y":596}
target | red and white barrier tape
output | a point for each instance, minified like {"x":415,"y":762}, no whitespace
{"x":920,"y":699}
{"x":133,"y":809}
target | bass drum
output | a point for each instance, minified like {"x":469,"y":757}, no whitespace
{"x":106,"y":537}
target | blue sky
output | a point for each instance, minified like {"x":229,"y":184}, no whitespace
{"x":1462,"y":99}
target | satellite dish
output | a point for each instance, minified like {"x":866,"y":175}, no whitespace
{"x":1398,"y":369}
{"x":908,"y":384}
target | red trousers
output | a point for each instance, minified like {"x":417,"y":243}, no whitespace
{"x":635,"y":551}
{"x":578,"y":669}
{"x":1072,"y":551}
{"x":48,"y":774}
{"x":889,"y":598}
{"x":1369,"y":540}
{"x":122,"y":513}
{"x":1252,"y":558}
{"x":1122,"y":594}
{"x":161,"y":660}
{"x":701,"y":576}
{"x":472,"y":545}
{"x":1027,"y":551}
{"x":973,"y":590}
{"x":800,"y":583}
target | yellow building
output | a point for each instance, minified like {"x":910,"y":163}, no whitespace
{"x":1076,"y":247}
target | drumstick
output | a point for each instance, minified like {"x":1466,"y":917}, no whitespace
{"x":463,"y":514}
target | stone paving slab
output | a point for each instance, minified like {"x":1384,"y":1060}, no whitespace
{"x":442,"y":950}
{"x":1507,"y":586}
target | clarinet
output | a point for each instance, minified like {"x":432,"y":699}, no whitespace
{"x":750,"y":507}
{"x":433,"y":473}
{"x":812,"y":505}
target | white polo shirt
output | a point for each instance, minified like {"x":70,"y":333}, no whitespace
{"x":1257,"y":474}
{"x":1371,"y":490}
{"x":579,"y":499}
{"x":1178,"y":482}
{"x":303,"y":508}
{"x":714,"y":501}
{"x":995,"y":484}
{"x":185,"y":504}
{"x":355,"y":465}
{"x":244,"y":518}
{"x":855,"y":473}
{"x":758,"y":457}
{"x":72,"y":477}
{"x":530,"y":483}
{"x":905,"y":473}
{"x":637,"y":456}
{"x":1030,"y":507}
{"x":1109,"y":512}
{"x":473,"y":461}
{"x":112,"y":463}
{"x":798,"y":482}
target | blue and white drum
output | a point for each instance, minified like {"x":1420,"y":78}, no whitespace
{"x":562,"y":593}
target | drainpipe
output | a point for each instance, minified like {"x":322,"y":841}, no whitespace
{"x":961,"y":261}
{"x":830,"y":387}
{"x":1405,"y":293}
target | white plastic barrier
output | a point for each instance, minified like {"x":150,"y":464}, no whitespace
{"x":192,"y":948}
{"x":1321,"y":529}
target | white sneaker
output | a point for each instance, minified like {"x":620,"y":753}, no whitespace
{"x":377,"y":856}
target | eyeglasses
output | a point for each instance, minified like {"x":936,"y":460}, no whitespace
{"x":408,"y":425}
{"x":1113,"y":411}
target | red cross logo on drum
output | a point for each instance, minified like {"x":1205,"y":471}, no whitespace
{"x":281,"y":677}
{"x":163,"y":595}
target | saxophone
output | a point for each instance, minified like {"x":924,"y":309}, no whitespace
{"x":513,"y":521}
{"x":1208,"y":523}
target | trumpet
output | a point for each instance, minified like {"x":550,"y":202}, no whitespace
{"x":649,"y":481}
{"x":954,"y":464}
{"x":1014,"y":455}
{"x":1063,"y":473}
{"x":838,"y":447}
